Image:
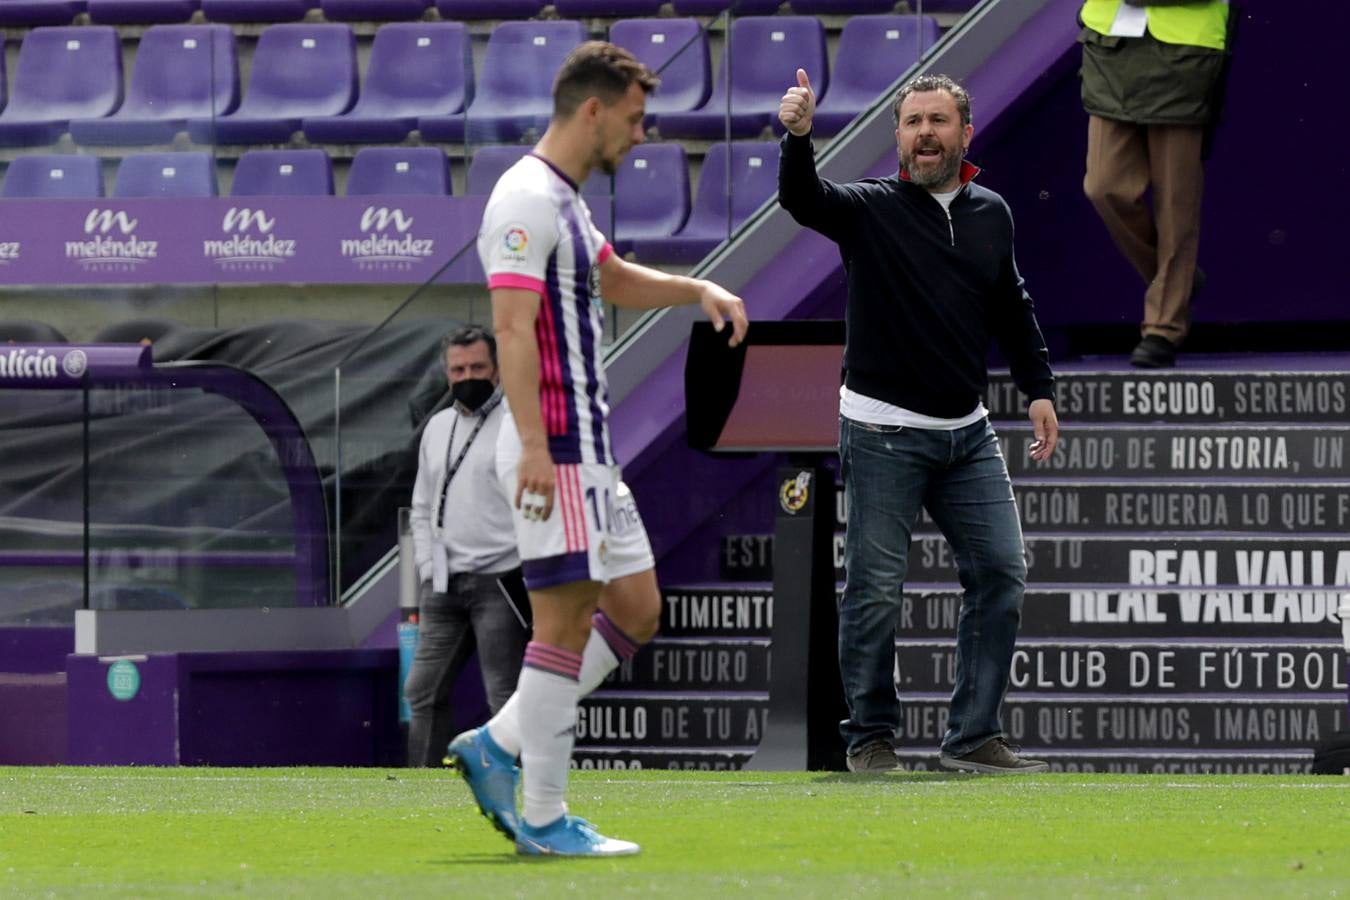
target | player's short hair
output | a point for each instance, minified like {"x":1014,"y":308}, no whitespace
{"x":925,"y":83}
{"x":469,"y":335}
{"x":598,"y":69}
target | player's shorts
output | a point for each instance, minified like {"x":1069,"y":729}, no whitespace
{"x":594,"y":532}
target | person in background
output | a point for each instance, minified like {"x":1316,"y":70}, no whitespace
{"x":1151,"y":82}
{"x":472,"y":592}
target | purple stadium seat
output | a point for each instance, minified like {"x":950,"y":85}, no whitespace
{"x":299,"y":71}
{"x":607,"y":7}
{"x":753,"y":177}
{"x":372,"y":10}
{"x":515,"y":86}
{"x":714,"y":7}
{"x":846,"y":7}
{"x":767,"y":51}
{"x":62,"y":74}
{"x":166,"y":175}
{"x":28,"y":13}
{"x":399,"y":170}
{"x":490,"y":9}
{"x":651,"y":194}
{"x":416,"y":69}
{"x":142,"y":12}
{"x":283,"y":173}
{"x":677,"y":49}
{"x":487,"y":166}
{"x":873,"y":52}
{"x":182,"y":72}
{"x":257,"y":10}
{"x":56,"y":176}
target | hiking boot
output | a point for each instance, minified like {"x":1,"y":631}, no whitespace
{"x":997,"y":757}
{"x":874,"y":756}
{"x":1154,"y":352}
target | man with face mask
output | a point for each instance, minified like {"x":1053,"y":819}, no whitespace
{"x":472,"y":592}
{"x":931,"y":279}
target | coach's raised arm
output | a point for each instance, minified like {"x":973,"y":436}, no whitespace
{"x":814,"y":202}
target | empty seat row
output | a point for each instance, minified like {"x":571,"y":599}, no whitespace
{"x":420,"y":76}
{"x":258,"y":173}
{"x":30,"y":13}
{"x":652,"y":212}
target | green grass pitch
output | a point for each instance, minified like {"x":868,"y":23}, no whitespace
{"x":379,"y":833}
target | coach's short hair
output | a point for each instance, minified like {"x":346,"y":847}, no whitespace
{"x":925,"y":83}
{"x":469,"y":335}
{"x":598,"y":69}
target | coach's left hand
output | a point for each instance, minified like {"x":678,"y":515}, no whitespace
{"x":1045,"y":425}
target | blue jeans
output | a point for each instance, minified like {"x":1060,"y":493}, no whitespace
{"x":960,"y":478}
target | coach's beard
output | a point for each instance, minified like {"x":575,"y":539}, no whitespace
{"x":935,"y":174}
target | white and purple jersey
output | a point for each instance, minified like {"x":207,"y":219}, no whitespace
{"x":537,"y":235}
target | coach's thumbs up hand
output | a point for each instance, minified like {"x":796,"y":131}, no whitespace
{"x":798,"y":106}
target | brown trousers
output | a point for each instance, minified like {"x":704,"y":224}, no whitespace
{"x":1123,"y":160}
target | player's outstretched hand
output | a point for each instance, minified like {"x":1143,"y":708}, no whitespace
{"x":1045,"y":425}
{"x":722,"y":306}
{"x":798,"y":106}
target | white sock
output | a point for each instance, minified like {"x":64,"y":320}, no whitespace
{"x":548,"y":693}
{"x":598,"y":659}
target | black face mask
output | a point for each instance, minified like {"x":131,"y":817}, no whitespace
{"x":472,"y":393}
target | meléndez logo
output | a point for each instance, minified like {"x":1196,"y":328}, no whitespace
{"x":387,"y":241}
{"x":111,"y":243}
{"x":249,"y":244}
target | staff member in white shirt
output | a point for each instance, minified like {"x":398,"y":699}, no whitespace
{"x":472,"y":593}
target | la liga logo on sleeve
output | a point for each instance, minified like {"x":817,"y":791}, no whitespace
{"x":514,"y":242}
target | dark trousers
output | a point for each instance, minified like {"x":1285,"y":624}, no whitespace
{"x":481,"y":612}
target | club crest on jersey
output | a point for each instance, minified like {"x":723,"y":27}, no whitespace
{"x":514,"y":243}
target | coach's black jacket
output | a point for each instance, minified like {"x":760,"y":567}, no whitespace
{"x":926,"y":290}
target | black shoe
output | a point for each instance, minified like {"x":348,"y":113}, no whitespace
{"x":1154,"y":352}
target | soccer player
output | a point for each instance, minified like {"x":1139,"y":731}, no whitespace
{"x":586,"y":558}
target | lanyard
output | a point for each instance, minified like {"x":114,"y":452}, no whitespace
{"x":451,"y":467}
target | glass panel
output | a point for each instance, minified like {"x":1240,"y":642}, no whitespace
{"x":188,"y":503}
{"x":41,"y":507}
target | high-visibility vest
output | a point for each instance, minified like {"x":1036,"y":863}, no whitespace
{"x":1200,"y":24}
